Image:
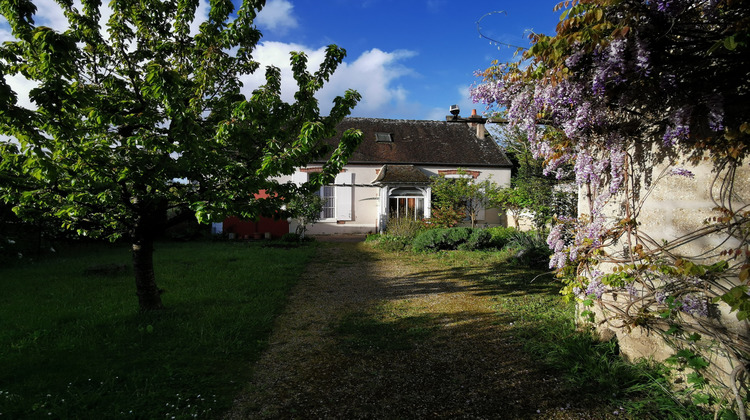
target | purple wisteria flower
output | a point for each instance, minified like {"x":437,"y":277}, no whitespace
{"x":574,"y":59}
{"x":632,"y":290}
{"x":663,"y":5}
{"x":596,"y":288}
{"x":679,"y":128}
{"x":642,"y":58}
{"x":715,"y":113}
{"x":661,"y":297}
{"x":694,"y":305}
{"x":682,"y":172}
{"x":557,"y":244}
{"x":616,"y":169}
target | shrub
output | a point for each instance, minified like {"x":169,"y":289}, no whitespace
{"x":445,"y":217}
{"x":430,"y":240}
{"x":389,"y":242}
{"x":372,"y":237}
{"x":501,"y":236}
{"x":404,"y":227}
{"x":479,"y":239}
{"x":457,"y":236}
{"x":400,"y":233}
{"x":437,"y":239}
{"x":531,"y":249}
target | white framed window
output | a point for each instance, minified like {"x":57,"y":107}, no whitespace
{"x":337,"y":197}
{"x":406,"y":203}
{"x":328,"y":194}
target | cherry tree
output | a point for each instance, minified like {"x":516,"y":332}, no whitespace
{"x":139,"y":122}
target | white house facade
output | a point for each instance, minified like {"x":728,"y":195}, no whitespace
{"x":389,"y":173}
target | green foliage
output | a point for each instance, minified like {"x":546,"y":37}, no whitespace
{"x":453,"y":196}
{"x":62,"y":356}
{"x":445,"y":217}
{"x":738,"y":300}
{"x":400,"y":233}
{"x":430,"y":240}
{"x":531,"y":190}
{"x":500,"y":236}
{"x":134,"y":117}
{"x":405,"y":227}
{"x":388,"y":242}
{"x":463,"y":238}
{"x":531,"y":249}
{"x":441,"y":239}
{"x":479,"y":239}
{"x":306,"y":207}
{"x":458,"y":235}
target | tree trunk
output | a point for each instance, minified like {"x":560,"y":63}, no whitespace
{"x":149,"y":296}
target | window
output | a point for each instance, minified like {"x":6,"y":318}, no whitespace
{"x":328,"y":194}
{"x":407,"y":207}
{"x":383,"y":138}
{"x":406,"y":203}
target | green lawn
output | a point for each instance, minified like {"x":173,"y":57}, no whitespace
{"x":73,"y":345}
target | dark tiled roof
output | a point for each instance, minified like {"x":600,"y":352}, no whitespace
{"x":422,"y":143}
{"x":401,"y":174}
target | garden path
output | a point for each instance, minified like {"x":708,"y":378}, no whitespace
{"x":371,"y":334}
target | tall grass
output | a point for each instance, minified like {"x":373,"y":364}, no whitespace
{"x":73,"y":345}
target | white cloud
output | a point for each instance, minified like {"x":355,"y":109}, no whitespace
{"x":277,"y":15}
{"x":201,"y":15}
{"x":49,"y":13}
{"x":374,"y":74}
{"x":22,"y":87}
{"x":5,"y":34}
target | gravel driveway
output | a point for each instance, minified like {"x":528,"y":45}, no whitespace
{"x":368,"y":335}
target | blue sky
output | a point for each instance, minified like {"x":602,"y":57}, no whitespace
{"x":409,"y":59}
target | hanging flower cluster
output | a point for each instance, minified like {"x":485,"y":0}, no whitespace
{"x":620,"y":88}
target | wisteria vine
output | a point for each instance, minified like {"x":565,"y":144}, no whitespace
{"x":624,"y":88}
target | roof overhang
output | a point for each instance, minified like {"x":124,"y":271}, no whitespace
{"x":401,"y":175}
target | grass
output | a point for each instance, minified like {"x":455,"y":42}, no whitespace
{"x":389,"y":327}
{"x":73,"y":345}
{"x":528,"y":301}
{"x":544,"y":323}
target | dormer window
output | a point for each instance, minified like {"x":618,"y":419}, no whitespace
{"x":383,"y":138}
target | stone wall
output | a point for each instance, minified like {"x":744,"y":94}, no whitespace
{"x":671,"y":209}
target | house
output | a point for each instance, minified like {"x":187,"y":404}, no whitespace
{"x":389,"y":173}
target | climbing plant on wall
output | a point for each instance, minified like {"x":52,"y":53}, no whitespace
{"x":630,"y":86}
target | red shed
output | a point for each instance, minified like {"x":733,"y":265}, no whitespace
{"x":257,"y":229}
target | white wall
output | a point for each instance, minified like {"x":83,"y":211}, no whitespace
{"x":365,"y":199}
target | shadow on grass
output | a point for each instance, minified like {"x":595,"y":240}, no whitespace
{"x":73,"y":344}
{"x":496,"y":280}
{"x":541,"y":352}
{"x":363,"y":332}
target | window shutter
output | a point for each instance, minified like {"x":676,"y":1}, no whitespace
{"x":344,"y":196}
